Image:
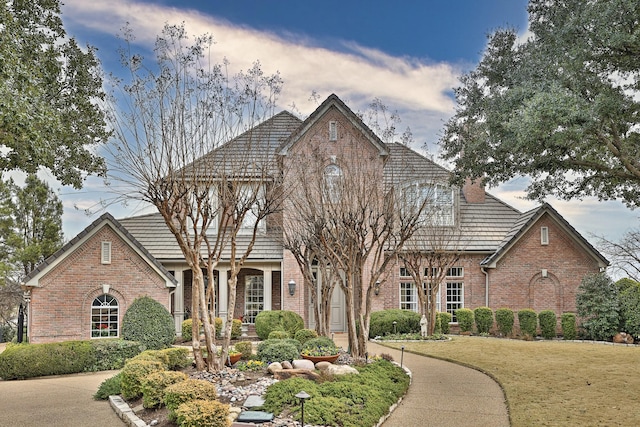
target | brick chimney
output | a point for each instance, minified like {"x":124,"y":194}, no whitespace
{"x":473,"y":190}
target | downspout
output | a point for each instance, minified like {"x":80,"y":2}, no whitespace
{"x":486,"y":285}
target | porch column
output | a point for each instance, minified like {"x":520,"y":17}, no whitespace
{"x":178,"y":302}
{"x":223,"y":295}
{"x":266,"y":275}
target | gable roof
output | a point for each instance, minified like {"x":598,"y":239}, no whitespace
{"x":526,"y":221}
{"x":105,"y":220}
{"x":333,"y":102}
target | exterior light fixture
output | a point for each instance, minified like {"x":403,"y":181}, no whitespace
{"x":376,"y":288}
{"x":292,"y":287}
{"x":303,"y":395}
{"x":394,"y":327}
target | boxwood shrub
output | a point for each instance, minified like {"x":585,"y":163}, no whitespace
{"x":187,"y":329}
{"x":109,"y":387}
{"x":381,"y":323}
{"x":278,"y":320}
{"x":148,"y":322}
{"x":443,"y":318}
{"x":548,"y":324}
{"x":246,"y":348}
{"x":504,"y":321}
{"x":197,"y":413}
{"x":465,"y":319}
{"x":278,"y":335}
{"x":236,"y":328}
{"x":134,"y":373}
{"x":186,"y":391}
{"x":568,"y":324}
{"x":528,"y":322}
{"x":277,"y":351}
{"x":484,"y":319}
{"x":154,"y":384}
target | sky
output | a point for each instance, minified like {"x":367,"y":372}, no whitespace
{"x":409,"y":54}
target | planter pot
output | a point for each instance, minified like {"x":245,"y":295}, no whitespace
{"x":316,"y":359}
{"x":234,"y":359}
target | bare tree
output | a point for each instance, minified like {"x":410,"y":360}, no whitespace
{"x":625,"y":254}
{"x":170,"y":116}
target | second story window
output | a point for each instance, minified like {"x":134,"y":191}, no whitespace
{"x":435,"y":202}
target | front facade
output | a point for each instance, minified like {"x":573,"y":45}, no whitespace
{"x":506,"y":258}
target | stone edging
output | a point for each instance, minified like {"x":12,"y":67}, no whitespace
{"x":125,"y":413}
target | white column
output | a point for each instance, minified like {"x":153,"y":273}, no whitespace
{"x":178,"y":302}
{"x":266,"y":272}
{"x":223,"y":294}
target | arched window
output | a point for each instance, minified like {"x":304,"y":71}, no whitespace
{"x":332,"y":183}
{"x":104,"y":317}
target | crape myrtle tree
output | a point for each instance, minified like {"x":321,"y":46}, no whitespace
{"x":561,"y":107}
{"x":624,"y":254}
{"x":49,"y":116}
{"x":433,"y":250}
{"x":169,"y":115}
{"x":356,"y":222}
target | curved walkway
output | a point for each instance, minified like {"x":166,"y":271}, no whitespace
{"x":445,"y":394}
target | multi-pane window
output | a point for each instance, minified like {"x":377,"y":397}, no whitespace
{"x":104,"y":317}
{"x":332,"y":183}
{"x":455,"y":298}
{"x":253,"y":195}
{"x":408,"y":296}
{"x":253,"y":298}
{"x":434,"y":201}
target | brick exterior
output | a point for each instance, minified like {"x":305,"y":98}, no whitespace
{"x":60,"y":308}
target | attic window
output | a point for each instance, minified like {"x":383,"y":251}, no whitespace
{"x":105,"y":257}
{"x":333,"y":131}
{"x":544,"y":235}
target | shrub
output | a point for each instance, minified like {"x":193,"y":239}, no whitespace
{"x":245,"y":348}
{"x":465,"y":319}
{"x":198,"y":413}
{"x":283,"y":394}
{"x":20,"y":361}
{"x":303,"y":335}
{"x":134,"y":373}
{"x":278,"y":320}
{"x":548,"y":324}
{"x":277,"y":351}
{"x":7,"y":332}
{"x":154,"y":384}
{"x":113,"y":353}
{"x":187,"y":329}
{"x":568,"y":323}
{"x":528,"y":322}
{"x":630,"y":307}
{"x":382,"y":322}
{"x":597,"y":306}
{"x":109,"y":387}
{"x":236,"y":328}
{"x":321,"y":346}
{"x":188,"y":390}
{"x":444,"y":319}
{"x":504,"y":321}
{"x":148,"y":322}
{"x":484,"y":319}
{"x":278,"y":335}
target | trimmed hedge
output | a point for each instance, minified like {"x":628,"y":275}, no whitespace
{"x":484,"y":319}
{"x":381,"y":323}
{"x":20,"y":361}
{"x":504,"y":321}
{"x":186,"y":391}
{"x":134,"y":373}
{"x":304,"y":335}
{"x":197,"y":413}
{"x":154,"y":384}
{"x":246,"y":348}
{"x":187,"y":330}
{"x":569,"y":326}
{"x":148,"y":322}
{"x":465,"y":319}
{"x":277,"y":351}
{"x":528,"y":322}
{"x":278,"y":320}
{"x":548,"y":324}
{"x":278,"y":335}
{"x":443,"y":318}
{"x":236,"y":328}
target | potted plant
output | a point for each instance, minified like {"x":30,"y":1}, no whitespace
{"x":321,"y":349}
{"x":234,"y":356}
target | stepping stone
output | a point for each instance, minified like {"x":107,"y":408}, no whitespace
{"x":254,"y":417}
{"x":253,"y":401}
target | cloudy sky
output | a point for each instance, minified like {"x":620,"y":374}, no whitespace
{"x":409,"y":54}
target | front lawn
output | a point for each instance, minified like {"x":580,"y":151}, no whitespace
{"x":552,"y":383}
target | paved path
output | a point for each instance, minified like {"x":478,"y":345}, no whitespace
{"x":444,"y":394}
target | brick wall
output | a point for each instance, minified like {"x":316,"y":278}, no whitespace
{"x":60,"y":308}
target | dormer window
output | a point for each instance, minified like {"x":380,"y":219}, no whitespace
{"x":333,"y":131}
{"x":435,"y":202}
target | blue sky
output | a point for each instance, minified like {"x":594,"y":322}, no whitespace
{"x":409,"y":54}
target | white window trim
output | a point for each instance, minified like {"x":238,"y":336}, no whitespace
{"x":544,"y":236}
{"x":461,"y":302}
{"x":105,"y":252}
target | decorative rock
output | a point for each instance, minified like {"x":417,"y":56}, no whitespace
{"x":341,"y":370}
{"x":303,"y":364}
{"x":623,"y":338}
{"x":287,"y":365}
{"x":253,"y":401}
{"x":274,"y":367}
{"x":321,"y":366}
{"x":298,"y":373}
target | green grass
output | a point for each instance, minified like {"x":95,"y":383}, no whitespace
{"x":552,"y":383}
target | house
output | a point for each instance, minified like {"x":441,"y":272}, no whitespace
{"x":506,"y":258}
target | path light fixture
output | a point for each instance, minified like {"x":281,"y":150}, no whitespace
{"x":376,"y":288}
{"x":303,"y":395}
{"x":292,"y":287}
{"x":394,"y":327}
{"x":401,"y":356}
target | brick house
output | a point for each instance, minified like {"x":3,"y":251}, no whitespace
{"x":507,"y":258}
